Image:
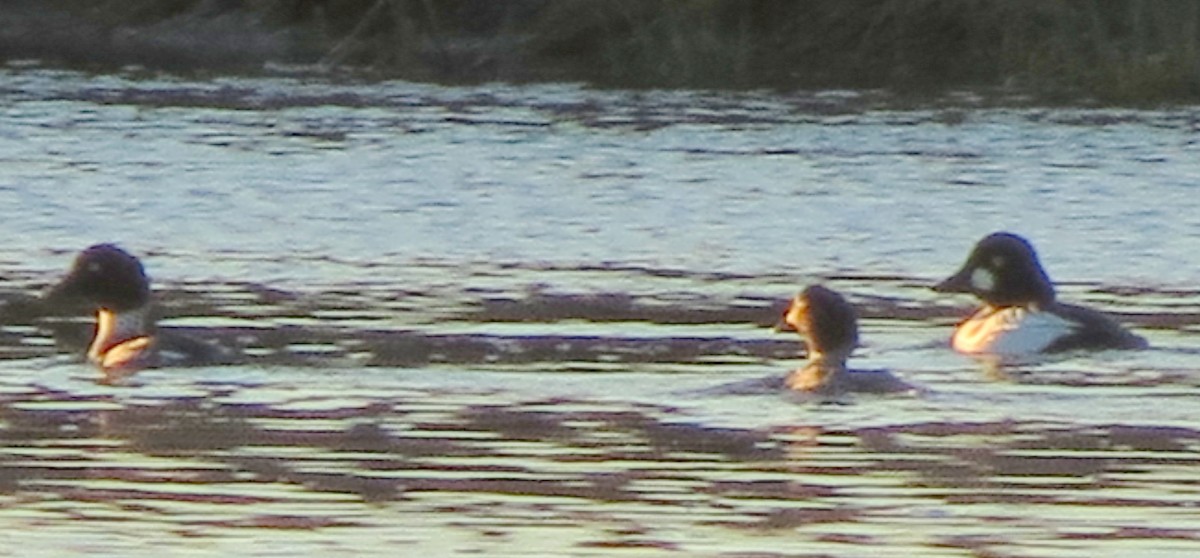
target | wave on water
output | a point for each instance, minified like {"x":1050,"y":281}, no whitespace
{"x":683,"y":322}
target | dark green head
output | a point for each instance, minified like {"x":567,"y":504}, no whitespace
{"x":106,"y":277}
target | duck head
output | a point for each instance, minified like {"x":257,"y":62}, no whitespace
{"x":1002,"y":270}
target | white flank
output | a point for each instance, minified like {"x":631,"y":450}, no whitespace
{"x":114,"y":328}
{"x":1010,"y":332}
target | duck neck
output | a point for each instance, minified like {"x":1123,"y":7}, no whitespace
{"x":114,"y":328}
{"x":822,"y":370}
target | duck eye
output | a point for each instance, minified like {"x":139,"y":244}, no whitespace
{"x":998,"y":262}
{"x":95,"y":267}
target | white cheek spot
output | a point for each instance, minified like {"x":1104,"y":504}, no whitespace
{"x":983,"y":280}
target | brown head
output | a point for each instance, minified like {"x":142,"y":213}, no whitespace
{"x":827,"y":322}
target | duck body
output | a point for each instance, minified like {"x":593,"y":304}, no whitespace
{"x":819,"y":378}
{"x":1016,"y":331}
{"x":123,"y":342}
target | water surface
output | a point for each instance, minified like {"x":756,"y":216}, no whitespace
{"x":497,"y":320}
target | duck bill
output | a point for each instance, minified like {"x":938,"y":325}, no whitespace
{"x":958,"y":283}
{"x":67,"y":290}
{"x":782,"y":326}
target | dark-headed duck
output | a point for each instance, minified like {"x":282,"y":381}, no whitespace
{"x":1020,"y":316}
{"x":114,"y":283}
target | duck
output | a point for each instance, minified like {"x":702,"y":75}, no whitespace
{"x":828,"y":326}
{"x":113,"y":283}
{"x":1021,"y":317}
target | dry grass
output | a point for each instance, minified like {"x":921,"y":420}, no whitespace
{"x":1128,"y":51}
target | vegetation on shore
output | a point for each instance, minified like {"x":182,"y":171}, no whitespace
{"x":1117,"y":51}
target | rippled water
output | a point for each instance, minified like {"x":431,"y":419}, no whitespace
{"x":498,"y":321}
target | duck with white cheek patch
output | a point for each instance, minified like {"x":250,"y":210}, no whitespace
{"x":114,"y":283}
{"x":1020,"y":317}
{"x":829,"y":327}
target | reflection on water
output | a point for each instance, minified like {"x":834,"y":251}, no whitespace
{"x":589,"y":475}
{"x":577,"y":423}
{"x":512,"y":321}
